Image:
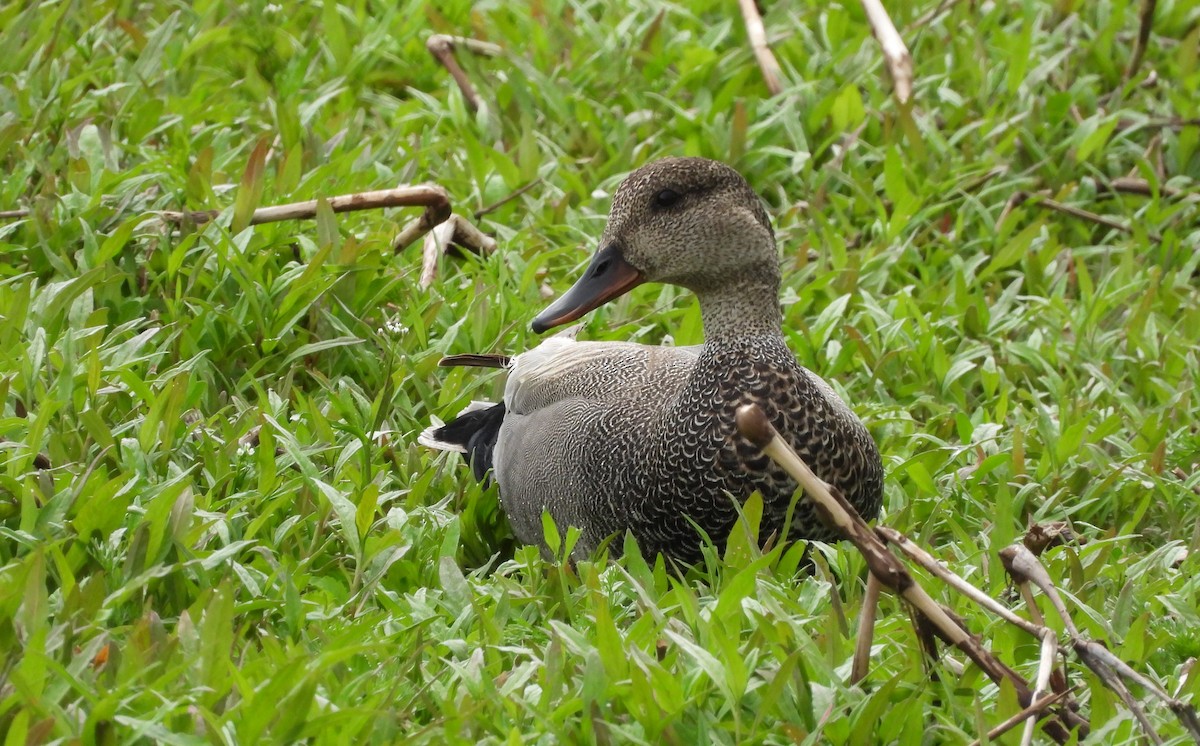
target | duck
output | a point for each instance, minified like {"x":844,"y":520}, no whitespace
{"x":613,"y":437}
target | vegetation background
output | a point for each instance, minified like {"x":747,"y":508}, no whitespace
{"x":204,"y":537}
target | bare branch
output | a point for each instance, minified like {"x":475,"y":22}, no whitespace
{"x":1182,"y":476}
{"x":866,"y":630}
{"x":451,"y":229}
{"x":1021,"y":563}
{"x":1034,"y":709}
{"x":925,"y":19}
{"x":506,"y":199}
{"x":895,"y":52}
{"x":430,"y":196}
{"x":442,"y":48}
{"x":772,"y":74}
{"x":1049,"y":650}
{"x":456,"y":231}
{"x":1021,"y":197}
{"x":1134,"y":185}
{"x":835,"y":511}
{"x":1173,"y":123}
{"x":436,"y":242}
{"x":1023,"y":566}
{"x":1145,"y":22}
{"x":955,"y":581}
{"x":13,"y":214}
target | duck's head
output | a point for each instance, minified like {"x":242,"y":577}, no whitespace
{"x":690,"y":222}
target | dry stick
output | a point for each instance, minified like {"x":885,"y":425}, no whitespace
{"x":1146,"y":20}
{"x":1015,"y":200}
{"x":13,"y":214}
{"x":866,"y":630}
{"x":429,"y":196}
{"x":1184,"y":673}
{"x":895,"y":53}
{"x":955,"y":581}
{"x":442,"y":48}
{"x":762,"y":51}
{"x":1034,"y":709}
{"x":918,"y":555}
{"x":1154,"y":154}
{"x":1024,"y":566}
{"x":1035,"y":611}
{"x":420,"y":225}
{"x":505,"y":199}
{"x":436,"y":243}
{"x":1077,"y":212}
{"x":833,"y":508}
{"x":1134,"y":185}
{"x":1175,"y":123}
{"x":1042,"y":683}
{"x":454,"y":230}
{"x":943,"y":6}
{"x":1182,"y":476}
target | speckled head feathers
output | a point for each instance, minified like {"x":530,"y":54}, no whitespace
{"x":692,"y":222}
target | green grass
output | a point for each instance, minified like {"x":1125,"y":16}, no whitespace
{"x":225,"y":549}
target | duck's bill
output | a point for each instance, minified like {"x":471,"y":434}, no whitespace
{"x":607,"y":277}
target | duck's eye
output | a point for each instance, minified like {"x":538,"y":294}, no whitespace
{"x":667,"y":198}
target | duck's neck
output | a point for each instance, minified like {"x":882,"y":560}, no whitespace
{"x":736,"y":310}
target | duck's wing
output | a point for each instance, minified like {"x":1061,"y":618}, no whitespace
{"x":577,"y":414}
{"x":561,"y":369}
{"x":553,"y":391}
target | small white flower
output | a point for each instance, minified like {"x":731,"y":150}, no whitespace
{"x":395,"y":327}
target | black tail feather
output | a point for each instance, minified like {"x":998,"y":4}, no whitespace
{"x":475,"y":360}
{"x":477,"y":432}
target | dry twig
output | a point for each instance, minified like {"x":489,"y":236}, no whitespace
{"x":441,"y":227}
{"x":433,"y":198}
{"x":895,"y":52}
{"x":506,"y":199}
{"x":836,"y":511}
{"x":13,"y":214}
{"x":1021,"y":563}
{"x":1171,"y":123}
{"x":1134,"y":185}
{"x":1077,"y":212}
{"x":866,"y":630}
{"x":1145,"y":21}
{"x":457,"y":231}
{"x":1036,"y":708}
{"x":1025,"y":567}
{"x":1041,"y":685}
{"x":772,"y":74}
{"x":955,"y":581}
{"x":1182,"y":476}
{"x":442,"y":48}
{"x":925,"y":19}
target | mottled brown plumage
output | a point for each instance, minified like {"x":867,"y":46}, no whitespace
{"x":612,"y":437}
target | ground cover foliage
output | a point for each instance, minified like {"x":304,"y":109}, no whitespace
{"x":203,"y":538}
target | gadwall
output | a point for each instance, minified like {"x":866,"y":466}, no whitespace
{"x":614,"y":436}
